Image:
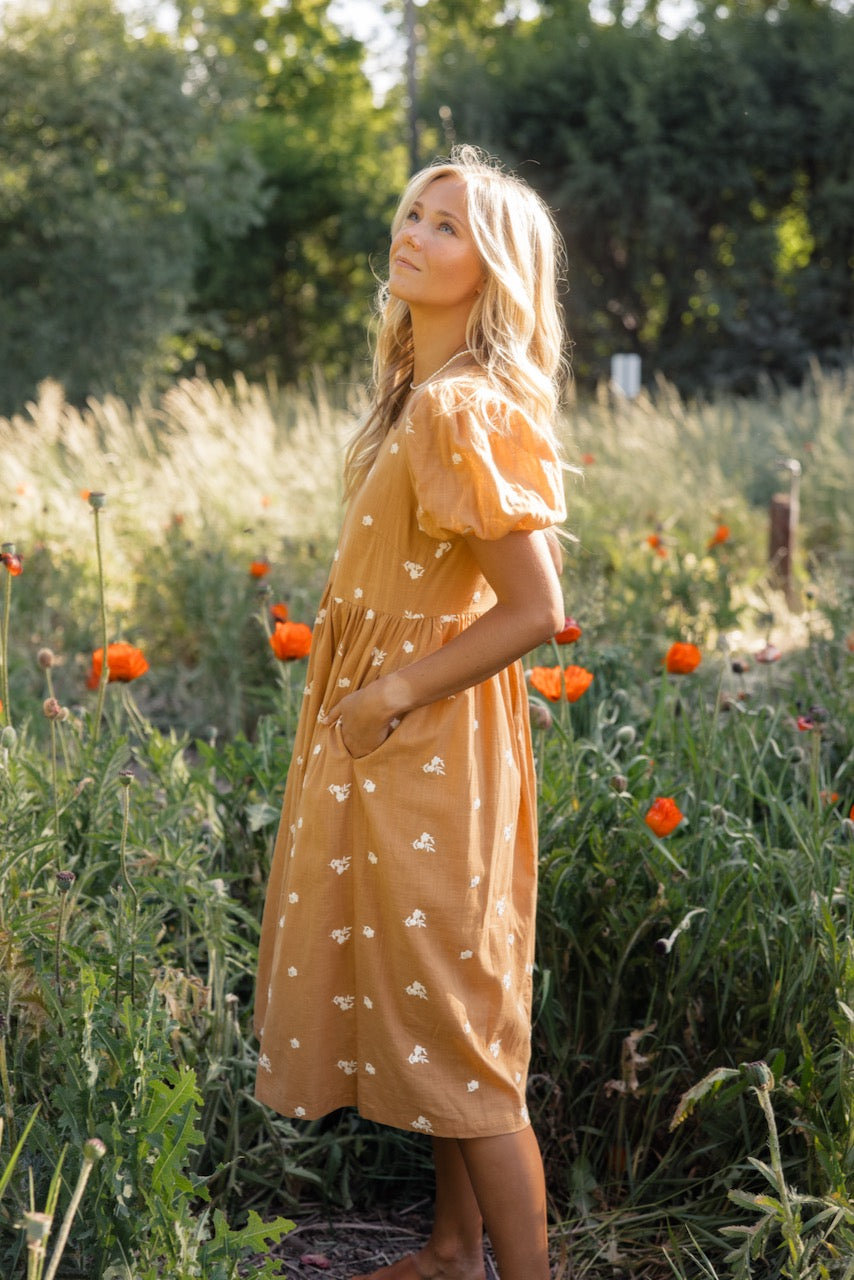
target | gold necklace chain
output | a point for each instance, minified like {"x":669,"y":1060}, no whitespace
{"x":416,"y":386}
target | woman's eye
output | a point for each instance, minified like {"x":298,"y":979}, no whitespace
{"x":412,"y":216}
{"x":446,"y":226}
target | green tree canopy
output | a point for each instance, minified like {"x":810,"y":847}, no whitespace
{"x":111,"y":179}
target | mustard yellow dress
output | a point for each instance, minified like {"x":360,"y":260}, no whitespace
{"x":396,"y":953}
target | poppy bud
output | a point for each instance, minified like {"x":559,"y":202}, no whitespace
{"x":64,"y":880}
{"x":46,"y":658}
{"x":52,"y":709}
{"x":97,"y":501}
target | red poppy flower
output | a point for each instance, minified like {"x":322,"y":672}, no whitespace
{"x":258,"y":568}
{"x":570,"y":633}
{"x":13,"y":562}
{"x":291,"y":640}
{"x":588,"y":459}
{"x":124,"y":663}
{"x":577,"y":681}
{"x":656,"y":541}
{"x":663,"y":816}
{"x":279,"y":612}
{"x":805,"y":722}
{"x":548,"y":681}
{"x":721,"y":534}
{"x":770,"y":653}
{"x":682,"y":659}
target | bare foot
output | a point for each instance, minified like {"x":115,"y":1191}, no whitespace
{"x":424,"y":1265}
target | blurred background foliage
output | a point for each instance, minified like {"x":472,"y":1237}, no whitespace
{"x":205,"y":188}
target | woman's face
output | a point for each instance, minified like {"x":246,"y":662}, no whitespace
{"x":433,"y":261}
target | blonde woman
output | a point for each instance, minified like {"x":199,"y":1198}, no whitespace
{"x":397,"y":953}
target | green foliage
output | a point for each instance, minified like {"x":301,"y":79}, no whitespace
{"x":111,"y":181}
{"x":701,"y":182}
{"x":125,"y":999}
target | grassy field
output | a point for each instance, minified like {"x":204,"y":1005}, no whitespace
{"x":712,"y":962}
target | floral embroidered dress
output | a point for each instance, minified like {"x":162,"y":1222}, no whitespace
{"x":395,"y":966}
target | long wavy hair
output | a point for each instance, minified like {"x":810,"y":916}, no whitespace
{"x":515,"y":331}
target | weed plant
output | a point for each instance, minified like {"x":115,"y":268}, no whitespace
{"x":134,"y":847}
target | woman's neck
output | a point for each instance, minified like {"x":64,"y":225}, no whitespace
{"x":433,"y":345}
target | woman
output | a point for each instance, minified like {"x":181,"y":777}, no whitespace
{"x":397,"y":946}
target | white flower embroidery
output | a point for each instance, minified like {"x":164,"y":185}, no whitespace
{"x":436,"y":765}
{"x":441,"y":549}
{"x":495,"y":1048}
{"x":508,"y":756}
{"x":412,"y":617}
{"x":367,"y":931}
{"x":294,"y":1043}
{"x":371,"y":1069}
{"x":372,"y":858}
{"x":341,"y":935}
{"x":317,"y":750}
{"x":340,"y":865}
{"x":414,"y":569}
{"x":344,"y":682}
{"x":344,"y":1002}
{"x":378,"y":657}
{"x":425,"y":841}
{"x":506,"y":982}
{"x":475,"y":724}
{"x":476,"y":804}
{"x":529,"y":969}
{"x":422,"y":1124}
{"x":474,"y":882}
{"x":408,"y":646}
{"x":472,"y":1085}
{"x":340,"y":793}
{"x":417,"y":920}
{"x":367,"y":1002}
{"x":299,"y":822}
{"x":523,"y":1112}
{"x":369,"y":786}
{"x":394,"y":448}
{"x":511,"y":938}
{"x":292,"y":972}
{"x":449,"y":617}
{"x":281,"y":922}
{"x":369,"y":614}
{"x":475,"y":597}
{"x":417,"y":989}
{"x":349,"y":1068}
{"x":367,"y":521}
{"x":293,"y":897}
{"x":299,"y":1112}
{"x":467,"y":1028}
{"x":418,"y":1054}
{"x":337,"y":554}
{"x":264,"y":1063}
{"x":321,"y":616}
{"x":358,"y":593}
{"x":306,"y":691}
{"x":456,"y":458}
{"x":518,"y":1077}
{"x":508,"y":831}
{"x":501,"y":906}
{"x":466,"y":955}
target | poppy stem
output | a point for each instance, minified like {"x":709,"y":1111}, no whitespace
{"x":105,"y":666}
{"x":4,"y":650}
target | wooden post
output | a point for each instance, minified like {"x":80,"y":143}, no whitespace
{"x":784,"y":515}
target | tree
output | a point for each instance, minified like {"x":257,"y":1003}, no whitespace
{"x":111,"y":178}
{"x":297,"y":289}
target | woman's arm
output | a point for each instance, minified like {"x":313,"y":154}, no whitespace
{"x":520,"y":568}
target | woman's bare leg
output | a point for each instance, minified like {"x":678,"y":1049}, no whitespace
{"x":455,"y":1248}
{"x":494,"y":1181}
{"x":506,"y":1174}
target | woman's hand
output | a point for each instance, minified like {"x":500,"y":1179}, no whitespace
{"x":365,"y":719}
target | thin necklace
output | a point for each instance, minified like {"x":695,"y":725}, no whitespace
{"x":416,"y":386}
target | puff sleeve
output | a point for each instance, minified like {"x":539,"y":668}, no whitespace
{"x":478,"y":465}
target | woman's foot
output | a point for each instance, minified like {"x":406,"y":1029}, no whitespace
{"x":426,"y":1265}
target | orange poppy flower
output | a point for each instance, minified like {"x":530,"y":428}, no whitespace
{"x":721,"y":534}
{"x":570,"y":633}
{"x":124,"y":663}
{"x":279,"y":612}
{"x":577,"y":680}
{"x":588,"y":459}
{"x":805,"y":722}
{"x":258,"y":568}
{"x":829,"y":797}
{"x":291,"y":640}
{"x":13,"y":562}
{"x":682,"y":659}
{"x":663,"y":816}
{"x":548,"y":681}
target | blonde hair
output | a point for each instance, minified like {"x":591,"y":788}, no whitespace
{"x":515,"y":330}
